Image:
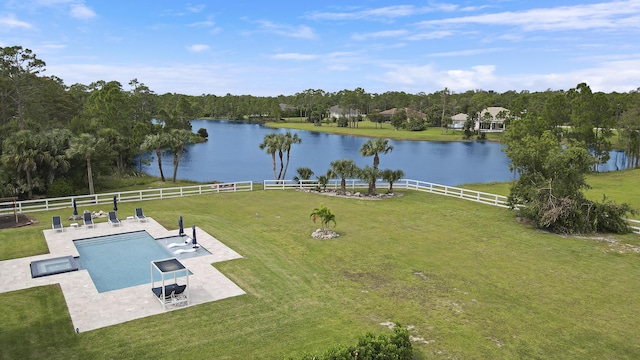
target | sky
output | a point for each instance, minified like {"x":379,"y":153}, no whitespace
{"x":271,"y":48}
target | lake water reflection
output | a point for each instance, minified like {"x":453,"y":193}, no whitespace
{"x":232,"y":154}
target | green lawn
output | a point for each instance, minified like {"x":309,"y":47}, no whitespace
{"x":471,"y":281}
{"x":370,"y":129}
{"x":618,"y":186}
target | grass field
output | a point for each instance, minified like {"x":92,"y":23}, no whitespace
{"x":370,"y":129}
{"x":618,"y":186}
{"x":472,"y":282}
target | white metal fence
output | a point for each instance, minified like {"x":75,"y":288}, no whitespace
{"x":26,"y":206}
{"x":465,"y":194}
{"x":634,"y":225}
{"x":353,"y":184}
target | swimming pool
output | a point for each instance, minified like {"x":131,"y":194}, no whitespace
{"x":122,"y":260}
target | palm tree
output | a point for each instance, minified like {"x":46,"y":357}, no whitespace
{"x":20,"y":153}
{"x":343,"y":169}
{"x":323,"y":180}
{"x":178,"y":138}
{"x":304,"y":173}
{"x":325,"y":215}
{"x":392,"y":176}
{"x":56,"y":143}
{"x":288,"y":140}
{"x":156,"y":142}
{"x":370,"y":175}
{"x":270,"y":143}
{"x":85,"y":145}
{"x":374,"y":147}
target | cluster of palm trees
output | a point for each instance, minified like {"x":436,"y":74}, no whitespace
{"x":346,"y":169}
{"x":174,"y":140}
{"x":280,"y":143}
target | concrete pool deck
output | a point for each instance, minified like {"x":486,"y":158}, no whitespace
{"x":90,"y":309}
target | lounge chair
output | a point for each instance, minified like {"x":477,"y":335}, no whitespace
{"x":113,"y":219}
{"x":56,"y":223}
{"x":173,"y":295}
{"x":139,"y":215}
{"x":168,"y":292}
{"x":88,"y":220}
{"x":179,"y":289}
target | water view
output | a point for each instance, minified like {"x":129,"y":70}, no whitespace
{"x":232,"y":154}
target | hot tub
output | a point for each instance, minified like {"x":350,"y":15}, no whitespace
{"x":53,"y":266}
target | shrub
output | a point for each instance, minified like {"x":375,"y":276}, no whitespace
{"x":202,"y":132}
{"x":369,"y":347}
{"x":59,"y":188}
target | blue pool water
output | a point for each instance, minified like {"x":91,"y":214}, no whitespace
{"x":124,"y":260}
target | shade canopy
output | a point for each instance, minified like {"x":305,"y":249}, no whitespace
{"x":169,"y":269}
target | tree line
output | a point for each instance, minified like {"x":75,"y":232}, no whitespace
{"x":57,"y":138}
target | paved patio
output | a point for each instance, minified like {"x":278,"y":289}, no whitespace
{"x":91,"y":310}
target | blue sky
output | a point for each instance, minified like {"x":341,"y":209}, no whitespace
{"x":267,"y":48}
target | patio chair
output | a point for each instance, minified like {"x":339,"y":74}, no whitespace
{"x":88,"y":220}
{"x":179,"y":289}
{"x":178,"y":297}
{"x":56,"y":223}
{"x":113,"y":219}
{"x":168,"y":292}
{"x":139,"y":215}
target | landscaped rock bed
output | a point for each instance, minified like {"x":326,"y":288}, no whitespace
{"x":351,"y":194}
{"x":324,"y":235}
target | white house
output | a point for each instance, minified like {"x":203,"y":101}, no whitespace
{"x":337,"y":112}
{"x":458,"y":120}
{"x":492,"y":119}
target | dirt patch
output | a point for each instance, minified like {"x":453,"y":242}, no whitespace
{"x":615,"y":245}
{"x":9,"y":221}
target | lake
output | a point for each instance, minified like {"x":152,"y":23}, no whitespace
{"x":232,"y":153}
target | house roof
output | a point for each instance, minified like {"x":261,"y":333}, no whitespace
{"x":493,"y":111}
{"x":336,"y":109}
{"x":410,"y":113}
{"x":285,"y":107}
{"x":460,"y":117}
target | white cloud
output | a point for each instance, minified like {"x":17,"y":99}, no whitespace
{"x":338,"y":68}
{"x":469,"y":52}
{"x":431,"y":35}
{"x":381,"y":14}
{"x":196,"y":8}
{"x":202,"y":24}
{"x":198,"y":48}
{"x":476,"y":77}
{"x":607,"y":15}
{"x":379,"y":34}
{"x":300,"y":31}
{"x":82,"y":12}
{"x":10,"y":21}
{"x":608,"y":76}
{"x":294,"y":56}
